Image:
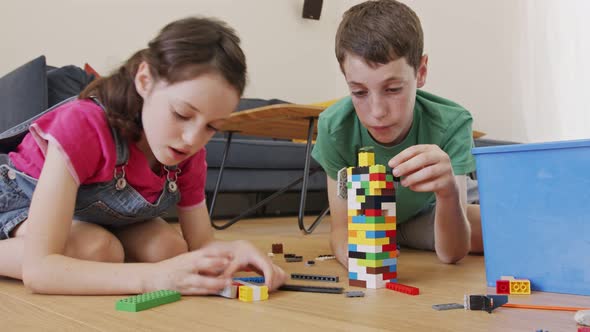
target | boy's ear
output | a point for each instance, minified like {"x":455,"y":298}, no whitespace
{"x":422,"y":71}
{"x":143,"y":79}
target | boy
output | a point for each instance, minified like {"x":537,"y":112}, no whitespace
{"x":425,"y":139}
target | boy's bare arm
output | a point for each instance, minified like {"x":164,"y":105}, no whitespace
{"x":452,"y":232}
{"x":339,"y":223}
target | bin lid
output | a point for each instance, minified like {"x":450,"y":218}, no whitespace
{"x":532,"y":146}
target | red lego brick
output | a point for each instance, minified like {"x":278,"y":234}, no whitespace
{"x":583,"y":328}
{"x":389,"y":275}
{"x":403,"y":288}
{"x":390,"y":233}
{"x":389,"y":185}
{"x":502,"y":286}
{"x":377,"y":177}
{"x":373,"y":213}
{"x":389,"y":247}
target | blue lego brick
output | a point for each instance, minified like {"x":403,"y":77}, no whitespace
{"x":256,"y":280}
{"x":352,"y":247}
{"x":359,"y":219}
{"x":389,"y":262}
{"x":355,"y":178}
{"x":352,"y":275}
{"x":375,"y":234}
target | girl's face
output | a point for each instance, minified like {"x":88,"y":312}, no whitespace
{"x":180,"y":118}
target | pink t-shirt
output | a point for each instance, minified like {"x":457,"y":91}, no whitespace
{"x":81,"y":131}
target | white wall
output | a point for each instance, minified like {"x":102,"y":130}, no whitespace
{"x":515,"y":64}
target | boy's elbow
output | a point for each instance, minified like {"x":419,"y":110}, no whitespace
{"x":451,"y":257}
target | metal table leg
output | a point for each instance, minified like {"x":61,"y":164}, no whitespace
{"x":304,"y":186}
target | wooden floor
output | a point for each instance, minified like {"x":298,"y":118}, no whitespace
{"x":292,"y":311}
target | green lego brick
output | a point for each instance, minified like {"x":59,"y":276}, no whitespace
{"x":378,"y":255}
{"x":148,"y":300}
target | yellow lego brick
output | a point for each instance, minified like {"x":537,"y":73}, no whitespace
{"x":246,"y":294}
{"x":360,"y":199}
{"x":263,"y":293}
{"x":371,"y":227}
{"x":520,"y":287}
{"x":375,"y":191}
{"x":349,"y":171}
{"x":377,"y":169}
{"x":366,"y":159}
{"x":369,"y":242}
{"x":370,"y":263}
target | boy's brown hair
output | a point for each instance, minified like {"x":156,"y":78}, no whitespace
{"x":380,"y":31}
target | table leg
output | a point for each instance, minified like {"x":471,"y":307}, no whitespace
{"x":302,"y":227}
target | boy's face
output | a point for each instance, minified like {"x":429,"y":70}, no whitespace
{"x":180,"y":118}
{"x":384,"y":95}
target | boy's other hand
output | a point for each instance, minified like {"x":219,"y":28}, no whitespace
{"x":425,"y":168}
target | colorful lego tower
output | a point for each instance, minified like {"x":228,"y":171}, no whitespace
{"x":372,"y":250}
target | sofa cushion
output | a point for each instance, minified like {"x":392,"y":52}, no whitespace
{"x":23,"y":93}
{"x":258,"y":154}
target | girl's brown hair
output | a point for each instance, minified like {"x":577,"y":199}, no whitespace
{"x":183,"y":50}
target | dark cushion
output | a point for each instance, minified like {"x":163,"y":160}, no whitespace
{"x":65,"y":82}
{"x":23,"y":93}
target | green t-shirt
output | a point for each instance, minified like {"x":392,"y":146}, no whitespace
{"x":436,"y":121}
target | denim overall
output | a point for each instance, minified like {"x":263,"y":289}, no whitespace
{"x":111,"y":204}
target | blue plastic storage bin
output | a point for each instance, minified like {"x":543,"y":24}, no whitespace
{"x":535,"y":210}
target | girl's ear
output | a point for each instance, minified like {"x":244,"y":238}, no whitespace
{"x":422,"y":71}
{"x":143,"y":80}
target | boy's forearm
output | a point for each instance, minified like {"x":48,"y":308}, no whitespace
{"x":58,"y":274}
{"x":339,"y":244}
{"x":451,"y":229}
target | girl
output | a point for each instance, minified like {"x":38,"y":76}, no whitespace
{"x":86,"y":187}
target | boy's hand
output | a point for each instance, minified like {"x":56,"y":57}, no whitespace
{"x":425,"y":168}
{"x":197,"y":272}
{"x":245,"y":255}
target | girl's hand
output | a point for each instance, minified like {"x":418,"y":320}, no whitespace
{"x":425,"y":168}
{"x":197,"y":272}
{"x":245,"y":255}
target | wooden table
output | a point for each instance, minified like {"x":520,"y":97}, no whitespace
{"x":288,"y":121}
{"x":379,"y":310}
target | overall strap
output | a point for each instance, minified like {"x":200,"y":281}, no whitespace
{"x":120,"y":146}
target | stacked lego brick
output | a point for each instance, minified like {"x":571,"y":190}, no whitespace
{"x":372,"y":248}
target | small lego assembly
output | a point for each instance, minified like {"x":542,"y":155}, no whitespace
{"x":355,"y":294}
{"x":484,"y":302}
{"x":314,"y":277}
{"x":312,"y":289}
{"x":403,"y":288}
{"x":293,"y":259}
{"x":447,"y":306}
{"x":147,"y":300}
{"x":325,"y":257}
{"x":582,"y":317}
{"x":512,"y":286}
{"x":277,"y":248}
{"x":248,"y":292}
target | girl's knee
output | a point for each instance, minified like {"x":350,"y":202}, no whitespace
{"x":164,"y":246}
{"x":103,"y":247}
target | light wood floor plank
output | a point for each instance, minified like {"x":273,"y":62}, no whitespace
{"x":379,"y":310}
